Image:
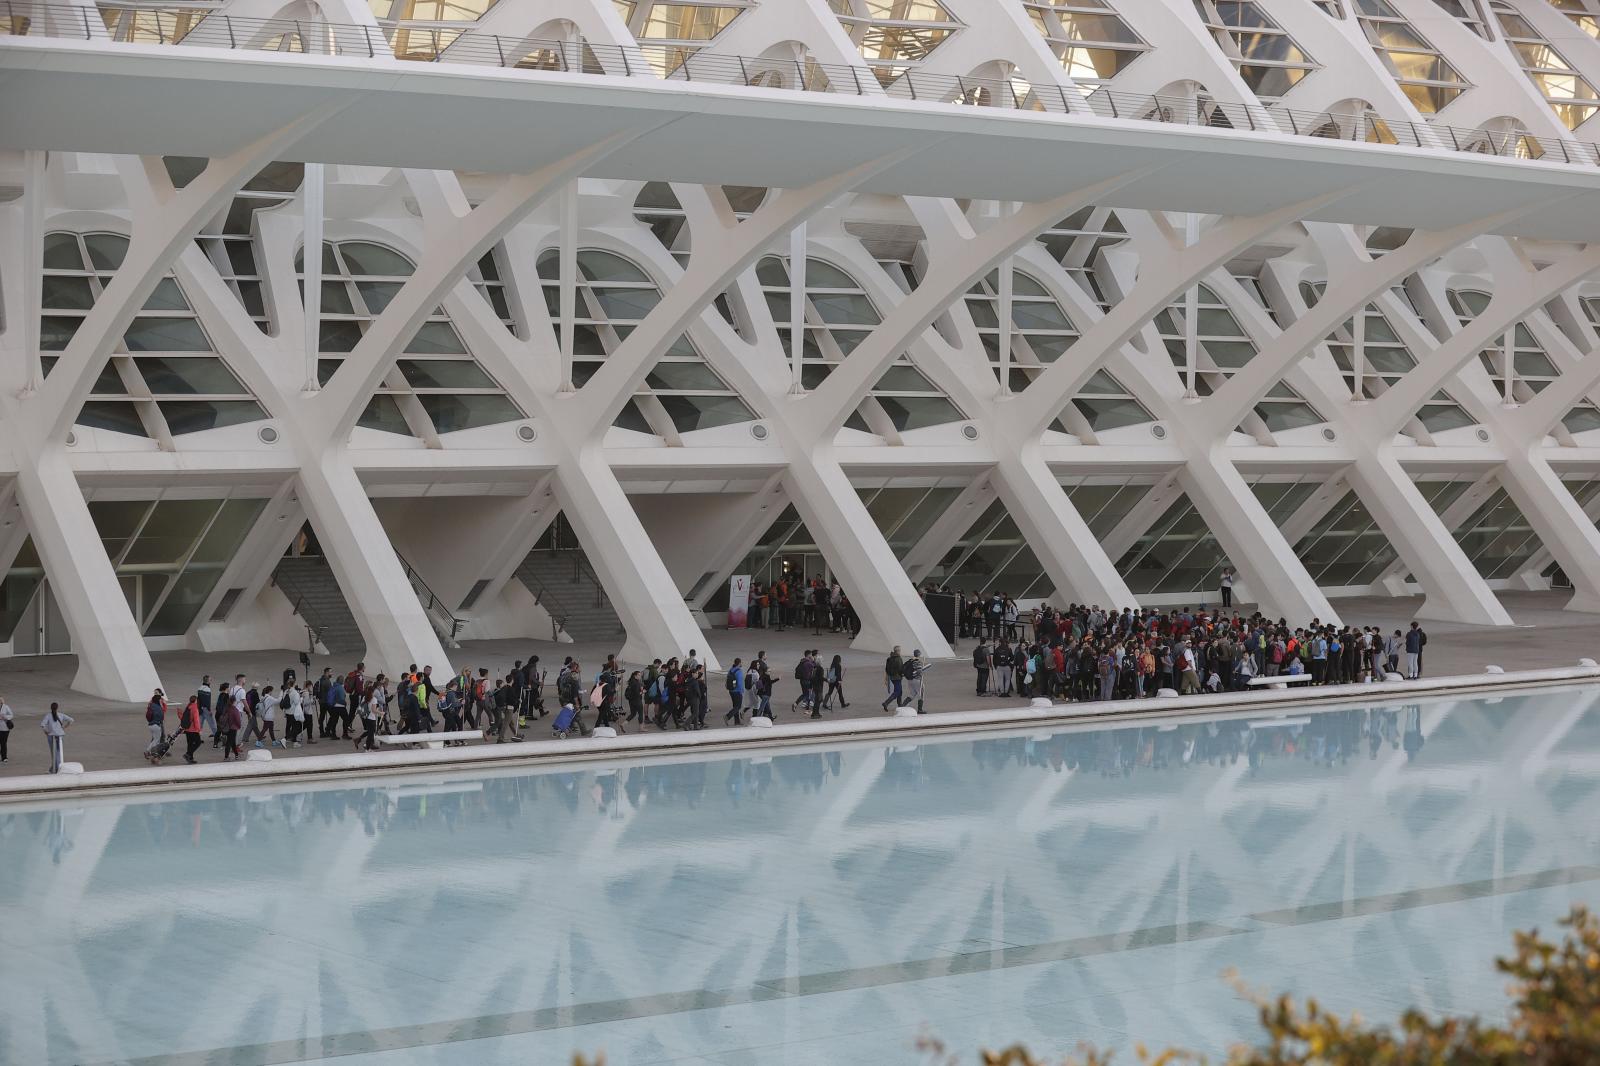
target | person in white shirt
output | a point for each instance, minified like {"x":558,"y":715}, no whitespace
{"x":268,"y":709}
{"x":7,"y":724}
{"x":55,"y":731}
{"x":296,"y":715}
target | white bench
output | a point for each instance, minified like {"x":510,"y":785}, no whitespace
{"x":428,"y":740}
{"x":1279,"y":680}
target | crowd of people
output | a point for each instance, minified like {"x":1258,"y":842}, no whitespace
{"x":815,"y":604}
{"x":1086,"y":653}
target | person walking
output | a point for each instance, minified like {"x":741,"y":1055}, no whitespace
{"x":155,"y":718}
{"x":189,"y":721}
{"x":835,"y":680}
{"x":230,"y":719}
{"x":8,"y":722}
{"x":735,"y":685}
{"x":55,"y":734}
{"x":203,"y":698}
{"x":913,"y":681}
{"x":893,"y":675}
{"x":370,"y":710}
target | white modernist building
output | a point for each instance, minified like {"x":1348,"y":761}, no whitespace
{"x":1078,"y":300}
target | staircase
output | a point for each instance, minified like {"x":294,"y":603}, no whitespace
{"x":563,"y":584}
{"x":310,"y":586}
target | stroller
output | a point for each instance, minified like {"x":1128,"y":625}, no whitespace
{"x":163,"y":748}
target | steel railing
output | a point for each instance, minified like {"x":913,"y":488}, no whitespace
{"x":442,"y":617}
{"x":434,"y":43}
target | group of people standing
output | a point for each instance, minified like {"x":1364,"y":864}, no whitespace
{"x":1086,"y":653}
{"x":787,"y":603}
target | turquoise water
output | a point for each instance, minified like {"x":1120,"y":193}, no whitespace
{"x":818,"y":907}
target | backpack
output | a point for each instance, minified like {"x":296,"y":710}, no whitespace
{"x":732,"y":682}
{"x":283,"y":702}
{"x":979,"y":657}
{"x":152,"y":712}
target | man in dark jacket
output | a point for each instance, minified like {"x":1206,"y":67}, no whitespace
{"x":893,"y":673}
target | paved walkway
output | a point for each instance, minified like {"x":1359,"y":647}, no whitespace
{"x":111,"y":735}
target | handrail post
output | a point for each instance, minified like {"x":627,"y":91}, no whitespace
{"x":88,"y":36}
{"x":855,"y":76}
{"x":1066,"y":108}
{"x":911,"y":85}
{"x":800,"y":76}
{"x":500,"y":49}
{"x":228,"y":22}
{"x":1111,"y":97}
{"x":627,"y":68}
{"x":744,"y":72}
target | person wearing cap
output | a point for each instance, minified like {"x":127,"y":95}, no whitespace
{"x":155,"y":716}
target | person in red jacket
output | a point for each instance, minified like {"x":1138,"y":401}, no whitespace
{"x":189,"y":722}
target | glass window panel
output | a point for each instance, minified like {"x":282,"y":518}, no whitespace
{"x":903,"y":379}
{"x":171,"y":530}
{"x":383,"y":414}
{"x":114,"y":416}
{"x":1436,"y":418}
{"x":338,"y":336}
{"x":178,"y":611}
{"x":1107,"y":414}
{"x":705,"y":412}
{"x":917,"y":412}
{"x":373,"y":260}
{"x":436,"y":338}
{"x":445,"y":374}
{"x":192,"y":416}
{"x":115,"y":521}
{"x":1284,"y":416}
{"x":196,"y":376}
{"x":165,"y":335}
{"x":166,"y":297}
{"x":467,"y":411}
{"x":68,"y":294}
{"x":630,"y":417}
{"x":61,"y":252}
{"x":55,"y":332}
{"x":602,"y":266}
{"x":626,"y":305}
{"x":376,"y":295}
{"x":685,"y":377}
{"x":106,"y":250}
{"x":227,"y":531}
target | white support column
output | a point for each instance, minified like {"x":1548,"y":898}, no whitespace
{"x":642,"y":591}
{"x":1563,"y":528}
{"x":568,"y":254}
{"x":1007,"y":285}
{"x":797,"y":307}
{"x":891,"y":611}
{"x":1055,"y":531}
{"x":33,"y":265}
{"x":1256,"y":549}
{"x":311,"y":200}
{"x":1191,"y":313}
{"x":949,"y":528}
{"x":113,"y":662}
{"x":369,"y":573}
{"x":1453,"y":588}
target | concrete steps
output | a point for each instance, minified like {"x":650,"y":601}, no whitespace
{"x":308,"y":582}
{"x":561,"y":580}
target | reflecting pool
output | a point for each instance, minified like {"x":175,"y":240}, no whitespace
{"x":821,"y":906}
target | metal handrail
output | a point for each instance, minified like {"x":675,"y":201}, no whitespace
{"x":441,"y":44}
{"x":432,"y":604}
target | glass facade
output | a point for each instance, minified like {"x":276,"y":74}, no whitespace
{"x":164,"y":378}
{"x":168,"y":555}
{"x":839,"y":315}
{"x":894,"y":36}
{"x":681,"y":393}
{"x":1385,"y":359}
{"x":1419,"y":68}
{"x":229,"y":240}
{"x":1570,"y":95}
{"x":436,"y":386}
{"x":1267,"y":58}
{"x":669,"y":33}
{"x":1093,"y":43}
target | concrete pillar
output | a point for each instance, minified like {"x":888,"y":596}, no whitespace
{"x":1254,"y":545}
{"x":1568,"y":533}
{"x":369,"y":572}
{"x":1055,"y":531}
{"x":642,"y":591}
{"x":1454,"y":590}
{"x":890,"y":608}
{"x":113,"y":662}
